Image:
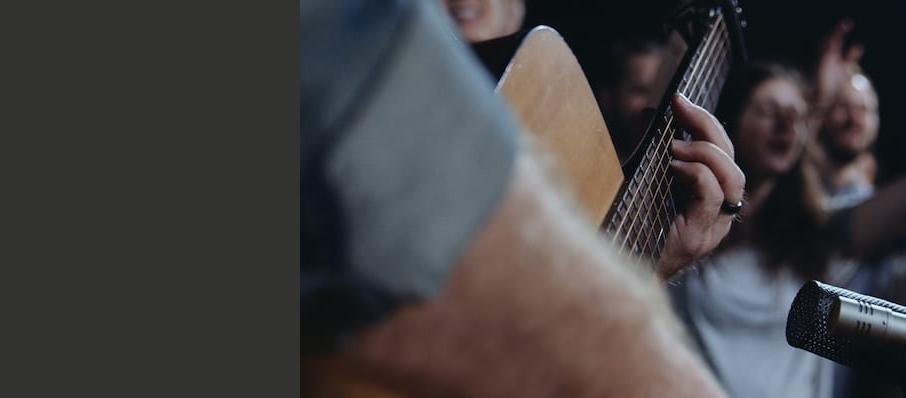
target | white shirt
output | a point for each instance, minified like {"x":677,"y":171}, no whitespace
{"x":739,"y":312}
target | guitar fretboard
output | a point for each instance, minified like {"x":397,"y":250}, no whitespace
{"x":641,"y":220}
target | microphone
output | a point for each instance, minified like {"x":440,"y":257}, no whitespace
{"x":856,"y":330}
{"x":861,"y":319}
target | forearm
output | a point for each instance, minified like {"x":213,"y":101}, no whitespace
{"x":538,"y":307}
{"x":880,"y":221}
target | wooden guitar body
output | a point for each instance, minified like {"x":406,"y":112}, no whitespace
{"x":549,"y":94}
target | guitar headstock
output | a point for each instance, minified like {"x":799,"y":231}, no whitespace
{"x":693,"y":19}
{"x":735,"y":24}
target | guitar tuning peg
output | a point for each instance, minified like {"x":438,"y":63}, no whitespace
{"x":743,"y":24}
{"x":739,"y":10}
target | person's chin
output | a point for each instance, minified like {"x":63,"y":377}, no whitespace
{"x":476,"y":33}
{"x":854,"y":146}
{"x":845,"y":152}
{"x":852,"y":142}
{"x":779,"y":166}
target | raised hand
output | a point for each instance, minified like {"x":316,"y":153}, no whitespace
{"x":835,"y":64}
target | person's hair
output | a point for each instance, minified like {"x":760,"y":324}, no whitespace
{"x":786,"y":229}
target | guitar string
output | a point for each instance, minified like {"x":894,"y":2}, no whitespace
{"x":639,"y":179}
{"x":652,"y":243}
{"x":703,"y":97}
{"x":703,"y":55}
{"x":705,"y":92}
{"x":660,"y":204}
{"x":700,"y":80}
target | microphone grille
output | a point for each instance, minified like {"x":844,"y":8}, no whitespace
{"x":808,"y":328}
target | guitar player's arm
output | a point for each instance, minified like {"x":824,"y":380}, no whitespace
{"x":876,"y":225}
{"x":538,"y":307}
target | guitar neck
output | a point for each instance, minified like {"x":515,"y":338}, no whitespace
{"x":641,"y":217}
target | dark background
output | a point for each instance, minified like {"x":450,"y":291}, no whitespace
{"x":777,"y":29}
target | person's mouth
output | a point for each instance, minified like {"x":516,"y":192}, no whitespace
{"x":779,"y":146}
{"x":851,"y":132}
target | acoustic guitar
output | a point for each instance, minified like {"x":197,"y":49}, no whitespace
{"x":550,"y":95}
{"x":545,"y":87}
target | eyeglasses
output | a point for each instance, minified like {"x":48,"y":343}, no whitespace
{"x":771,"y":111}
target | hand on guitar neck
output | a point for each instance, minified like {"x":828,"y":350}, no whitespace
{"x":708,"y":176}
{"x":706,"y":167}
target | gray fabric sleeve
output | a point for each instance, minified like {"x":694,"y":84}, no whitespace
{"x":424,"y":162}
